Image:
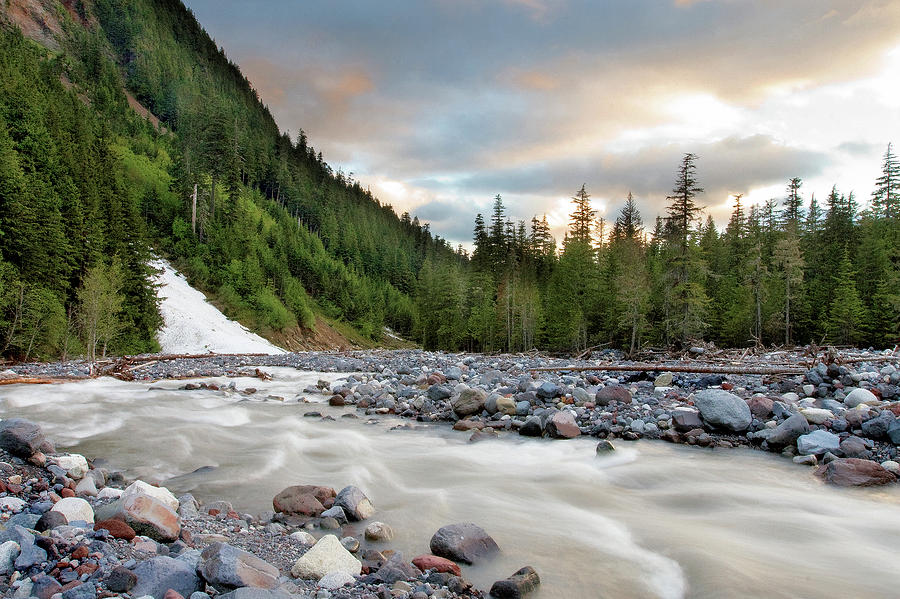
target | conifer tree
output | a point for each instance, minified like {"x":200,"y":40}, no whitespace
{"x":846,"y":312}
{"x":886,"y":196}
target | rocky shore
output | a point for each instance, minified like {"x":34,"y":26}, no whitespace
{"x":838,"y":416}
{"x":69,"y":530}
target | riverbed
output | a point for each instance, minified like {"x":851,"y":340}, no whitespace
{"x":650,"y":520}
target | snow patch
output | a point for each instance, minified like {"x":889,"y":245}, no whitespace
{"x":194,"y":326}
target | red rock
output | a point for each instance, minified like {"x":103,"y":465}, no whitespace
{"x":117,"y":528}
{"x":362,"y":403}
{"x":173,"y":594}
{"x":67,"y":492}
{"x":80,"y":552}
{"x":895,"y":408}
{"x":71,"y":585}
{"x":233,"y":515}
{"x":562,"y":425}
{"x":86,"y":569}
{"x":438,"y":564}
{"x":2,"y":487}
{"x":760,"y":406}
{"x":727,"y":386}
{"x":13,"y":488}
{"x":336,"y":400}
{"x":436,"y":378}
{"x":306,"y":500}
{"x":854,"y":472}
{"x":213,"y":512}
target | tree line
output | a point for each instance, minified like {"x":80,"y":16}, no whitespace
{"x":784,"y":272}
{"x":261,"y":222}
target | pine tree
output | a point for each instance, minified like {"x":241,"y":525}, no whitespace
{"x":886,"y":197}
{"x":846,"y":312}
{"x":582,"y":218}
{"x":789,"y":261}
{"x":792,"y":215}
{"x":686,"y":299}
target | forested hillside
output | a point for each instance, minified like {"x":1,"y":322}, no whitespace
{"x":254,"y":217}
{"x":790,"y":271}
{"x":89,"y":189}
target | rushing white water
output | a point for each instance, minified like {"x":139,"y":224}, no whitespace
{"x":650,"y":520}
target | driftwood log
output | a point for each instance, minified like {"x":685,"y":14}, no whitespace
{"x":696,"y":368}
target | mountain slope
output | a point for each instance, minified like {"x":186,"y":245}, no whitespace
{"x":203,"y":174}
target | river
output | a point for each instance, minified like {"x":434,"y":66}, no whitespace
{"x":650,"y":520}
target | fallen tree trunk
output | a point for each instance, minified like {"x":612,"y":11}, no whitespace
{"x":40,"y":381}
{"x":696,"y":368}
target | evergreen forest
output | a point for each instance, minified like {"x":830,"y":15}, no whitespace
{"x":91,"y":189}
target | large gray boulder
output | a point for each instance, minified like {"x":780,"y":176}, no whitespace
{"x":21,"y":437}
{"x":354,"y":503}
{"x":787,"y":432}
{"x":466,"y":543}
{"x":722,"y":409}
{"x":227,"y":567}
{"x":818,"y":442}
{"x":469,"y":401}
{"x":159,"y":574}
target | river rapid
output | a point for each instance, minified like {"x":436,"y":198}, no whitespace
{"x":650,"y":520}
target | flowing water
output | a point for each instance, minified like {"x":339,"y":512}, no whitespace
{"x":650,"y":520}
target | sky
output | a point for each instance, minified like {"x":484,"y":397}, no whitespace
{"x":439,"y":105}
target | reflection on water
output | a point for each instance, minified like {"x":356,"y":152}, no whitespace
{"x":651,"y":520}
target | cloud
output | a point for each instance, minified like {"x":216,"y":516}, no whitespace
{"x":446,"y":103}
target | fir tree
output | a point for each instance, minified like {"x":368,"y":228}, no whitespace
{"x":846,"y":312}
{"x":886,"y":196}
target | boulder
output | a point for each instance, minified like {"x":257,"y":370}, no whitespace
{"x":611,"y":393}
{"x":816,"y":415}
{"x":877,"y":428}
{"x":355,"y":503}
{"x":436,"y":563}
{"x":121,"y":580}
{"x":686,"y":419}
{"x":255,"y":593}
{"x":85,"y":590}
{"x":506,"y":405}
{"x":532,"y":427}
{"x":117,"y":529}
{"x":858,"y":396}
{"x":548,"y":390}
{"x":74,"y":509}
{"x":438,"y":392}
{"x":516,"y":586}
{"x":74,"y":464}
{"x":325,"y":557}
{"x":396,"y":568}
{"x":161,"y":494}
{"x":722,"y":409}
{"x":50,"y":519}
{"x":562,"y":425}
{"x":818,"y":442}
{"x":379,"y":531}
{"x":663,"y":380}
{"x":224,"y":566}
{"x":149,"y":516}
{"x":760,"y":406}
{"x":21,"y":437}
{"x":45,"y":587}
{"x":469,"y":401}
{"x":304,"y":500}
{"x":855,"y":447}
{"x":893,"y":432}
{"x":853,"y":472}
{"x":335,"y":580}
{"x":466,"y":543}
{"x":157,"y":575}
{"x":9,"y":551}
{"x":604,"y":447}
{"x":788,"y":431}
